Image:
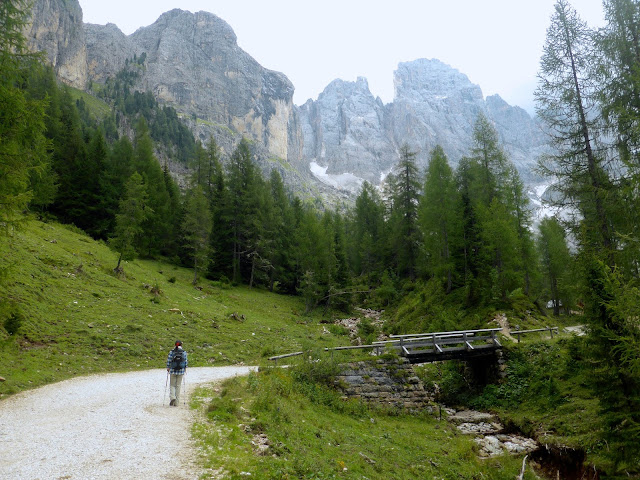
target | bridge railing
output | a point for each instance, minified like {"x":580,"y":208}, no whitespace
{"x":546,"y":329}
{"x":439,"y":342}
{"x":378,"y":348}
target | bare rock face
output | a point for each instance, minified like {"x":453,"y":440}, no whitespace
{"x":194,"y":62}
{"x":348,"y":131}
{"x":56,"y":28}
{"x":434,"y":104}
{"x":521,"y":135}
{"x":344,"y":131}
{"x":108,"y":51}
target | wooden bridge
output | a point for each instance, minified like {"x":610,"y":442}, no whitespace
{"x":431,"y":347}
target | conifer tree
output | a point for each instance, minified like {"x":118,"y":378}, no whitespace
{"x":221,"y":236}
{"x":565,"y":102}
{"x":158,"y":224}
{"x":23,"y":145}
{"x":556,"y":261}
{"x":282,"y":233}
{"x":96,"y":222}
{"x":437,"y":215}
{"x":129,"y":221}
{"x":242,"y":210}
{"x":619,"y":99}
{"x":69,"y":163}
{"x":366,"y":242}
{"x":468,"y":253}
{"x":196,"y":228}
{"x":404,"y":193}
{"x":491,"y":197}
{"x":518,"y":203}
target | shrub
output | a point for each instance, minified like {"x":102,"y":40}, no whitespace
{"x":13,"y":322}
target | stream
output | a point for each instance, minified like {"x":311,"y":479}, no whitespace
{"x":549,"y":461}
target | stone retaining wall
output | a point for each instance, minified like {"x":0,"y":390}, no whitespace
{"x":391,"y":383}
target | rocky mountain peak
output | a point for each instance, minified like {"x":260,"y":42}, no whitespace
{"x":427,"y":80}
{"x":192,"y":62}
{"x":203,"y":29}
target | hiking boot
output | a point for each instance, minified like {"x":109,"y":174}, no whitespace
{"x":172,"y":403}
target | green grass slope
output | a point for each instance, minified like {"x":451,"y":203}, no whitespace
{"x":64,"y":313}
{"x":276,"y":424}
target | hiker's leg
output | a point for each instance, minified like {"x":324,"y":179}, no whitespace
{"x":178,"y":385}
{"x":172,"y":389}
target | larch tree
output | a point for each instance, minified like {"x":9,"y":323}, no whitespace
{"x":196,"y":228}
{"x":23,"y":145}
{"x":569,"y":103}
{"x":566,"y":104}
{"x":556,"y":261}
{"x":242,"y":210}
{"x":131,"y":215}
{"x":404,"y":194}
{"x":437,"y":217}
{"x":366,"y":235}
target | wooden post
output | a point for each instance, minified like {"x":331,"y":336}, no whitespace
{"x":551,"y":332}
{"x":464,"y":339}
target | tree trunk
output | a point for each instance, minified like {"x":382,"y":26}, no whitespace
{"x":195,"y":270}
{"x":253,"y":269}
{"x":591,"y":161}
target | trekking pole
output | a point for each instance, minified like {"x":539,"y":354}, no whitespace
{"x":184,"y":385}
{"x":165,"y":389}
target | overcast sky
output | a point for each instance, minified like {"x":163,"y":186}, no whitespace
{"x":496,"y":43}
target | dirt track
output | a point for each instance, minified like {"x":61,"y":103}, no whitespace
{"x":111,"y":426}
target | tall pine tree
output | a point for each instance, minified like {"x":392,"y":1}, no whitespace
{"x":23,"y":145}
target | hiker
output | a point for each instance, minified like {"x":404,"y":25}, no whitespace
{"x":176,"y":367}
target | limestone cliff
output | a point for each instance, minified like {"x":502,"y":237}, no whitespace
{"x":55,"y":27}
{"x":192,"y":62}
{"x":346,"y":130}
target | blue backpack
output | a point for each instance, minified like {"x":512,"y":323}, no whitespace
{"x":178,"y":361}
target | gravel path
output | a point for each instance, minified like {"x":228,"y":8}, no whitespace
{"x":112,"y":426}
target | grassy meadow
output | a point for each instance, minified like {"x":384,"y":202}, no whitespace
{"x":73,"y":316}
{"x":275,"y":424}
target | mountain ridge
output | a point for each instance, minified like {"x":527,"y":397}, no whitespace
{"x":194,"y":64}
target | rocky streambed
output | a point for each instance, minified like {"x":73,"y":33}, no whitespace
{"x":550,"y":461}
{"x":490,"y":435}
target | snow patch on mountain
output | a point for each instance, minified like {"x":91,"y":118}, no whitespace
{"x":343,"y":181}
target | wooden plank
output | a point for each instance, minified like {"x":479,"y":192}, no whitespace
{"x":278,"y":357}
{"x":446,"y":333}
{"x":517,"y":332}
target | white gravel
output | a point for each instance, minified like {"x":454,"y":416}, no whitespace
{"x":112,"y":426}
